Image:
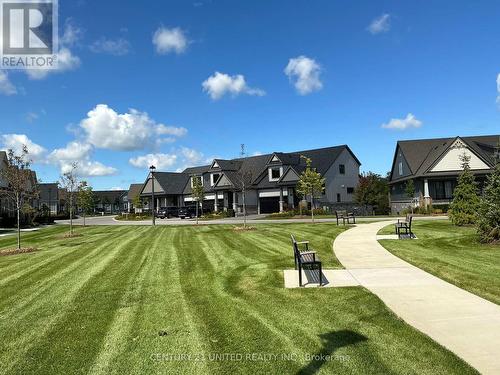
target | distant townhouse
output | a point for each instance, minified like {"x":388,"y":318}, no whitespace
{"x":48,"y":197}
{"x":271,"y":181}
{"x":110,"y":201}
{"x":134,"y":191}
{"x":434,"y":166}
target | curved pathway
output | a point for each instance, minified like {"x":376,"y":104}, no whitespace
{"x":464,"y":323}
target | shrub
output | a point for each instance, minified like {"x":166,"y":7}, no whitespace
{"x":465,"y":204}
{"x":488,"y":225}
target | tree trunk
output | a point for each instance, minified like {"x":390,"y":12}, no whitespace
{"x":197,"y":203}
{"x":312,"y":206}
{"x":84,"y":215}
{"x":18,"y":227}
{"x":70,"y":214}
{"x":244,"y":211}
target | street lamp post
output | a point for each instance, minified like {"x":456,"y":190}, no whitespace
{"x":152,"y":169}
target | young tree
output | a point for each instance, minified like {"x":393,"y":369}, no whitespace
{"x":488,"y":225}
{"x":465,"y":204}
{"x":85,"y":199}
{"x":137,"y":202}
{"x":197,"y":193}
{"x":69,"y":181}
{"x":373,"y":190}
{"x":310,"y":183}
{"x":19,"y":189}
{"x":410,"y":192}
{"x":245,"y":179}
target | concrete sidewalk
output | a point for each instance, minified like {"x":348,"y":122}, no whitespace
{"x":464,"y":323}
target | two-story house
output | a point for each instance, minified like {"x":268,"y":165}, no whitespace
{"x":268,"y":180}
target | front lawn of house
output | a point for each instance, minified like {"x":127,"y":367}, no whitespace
{"x":453,"y":254}
{"x":204,"y":300}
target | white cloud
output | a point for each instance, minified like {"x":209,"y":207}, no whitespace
{"x":31,"y":117}
{"x":304,"y":73}
{"x":380,"y":24}
{"x":498,"y":88}
{"x":81,"y":154}
{"x":6,"y":86}
{"x":220,"y":84}
{"x":117,"y":188}
{"x":160,"y":161}
{"x":134,"y":130}
{"x":170,"y":40}
{"x":116,"y":47}
{"x":401,"y":124}
{"x":16,"y":142}
{"x":66,"y":61}
{"x":191,"y":156}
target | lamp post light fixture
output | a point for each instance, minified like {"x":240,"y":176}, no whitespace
{"x":152,"y":169}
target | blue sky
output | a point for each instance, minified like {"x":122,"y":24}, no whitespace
{"x":137,"y":83}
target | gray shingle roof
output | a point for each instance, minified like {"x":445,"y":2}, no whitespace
{"x":172,"y":182}
{"x":421,"y":154}
{"x":134,"y":190}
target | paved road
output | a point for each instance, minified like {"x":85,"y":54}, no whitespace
{"x":254,"y":219}
{"x":464,"y":323}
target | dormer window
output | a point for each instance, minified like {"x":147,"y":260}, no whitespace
{"x":213,"y":178}
{"x":199,"y":178}
{"x":275,"y":173}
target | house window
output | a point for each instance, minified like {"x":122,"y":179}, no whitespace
{"x":350,"y":190}
{"x":400,"y":166}
{"x":338,"y":198}
{"x":199,"y":178}
{"x":213,"y":178}
{"x":275,"y":173}
{"x":341,"y":168}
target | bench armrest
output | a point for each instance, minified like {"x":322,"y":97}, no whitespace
{"x":302,"y":242}
{"x":308,"y":252}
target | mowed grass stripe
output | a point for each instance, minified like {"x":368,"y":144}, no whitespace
{"x":118,"y":335}
{"x":57,"y":301}
{"x":48,"y":277}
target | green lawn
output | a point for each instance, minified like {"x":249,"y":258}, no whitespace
{"x":143,"y":300}
{"x":453,"y":254}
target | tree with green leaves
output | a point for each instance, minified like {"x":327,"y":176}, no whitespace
{"x":488,"y":224}
{"x":19,"y":187}
{"x":465,"y":204}
{"x":410,"y":192}
{"x":137,"y":202}
{"x":310,"y":183}
{"x":85,"y":199}
{"x":198,"y":193}
{"x":69,"y":181}
{"x":373,"y":190}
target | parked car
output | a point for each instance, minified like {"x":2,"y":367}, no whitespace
{"x":190,"y":212}
{"x":168,"y":212}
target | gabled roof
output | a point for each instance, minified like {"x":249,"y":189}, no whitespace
{"x":134,"y":190}
{"x":422,"y":154}
{"x":172,"y":182}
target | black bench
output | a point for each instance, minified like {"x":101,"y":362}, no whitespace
{"x":404,"y":225}
{"x":307,"y":258}
{"x":345,"y":216}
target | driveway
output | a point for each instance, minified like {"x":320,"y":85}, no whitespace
{"x":464,"y":323}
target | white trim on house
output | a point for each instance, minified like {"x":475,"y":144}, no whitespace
{"x":450,"y":161}
{"x":191,"y":179}
{"x":272,"y":193}
{"x":270,"y":169}
{"x":212,"y":180}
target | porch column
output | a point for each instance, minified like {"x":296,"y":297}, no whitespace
{"x":427,"y":197}
{"x":216,"y":204}
{"x":157,"y":207}
{"x":258,"y":203}
{"x":234,"y":202}
{"x":281,"y":199}
{"x":290,"y":198}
